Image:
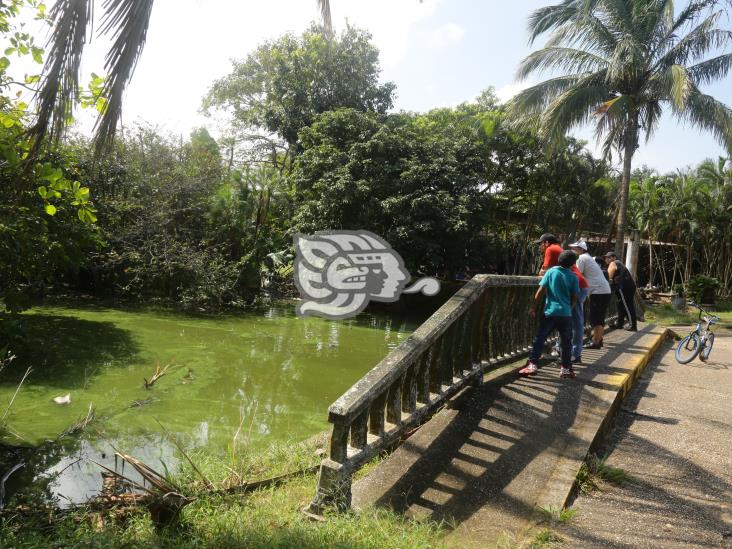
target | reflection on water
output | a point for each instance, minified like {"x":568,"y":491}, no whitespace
{"x":272,"y":373}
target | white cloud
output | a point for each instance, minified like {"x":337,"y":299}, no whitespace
{"x":447,"y":34}
{"x":391,"y":22}
{"x":504,"y":93}
{"x":190,"y":44}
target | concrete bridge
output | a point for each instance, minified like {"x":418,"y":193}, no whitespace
{"x":475,"y":444}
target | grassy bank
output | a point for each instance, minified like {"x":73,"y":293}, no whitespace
{"x":268,"y":517}
{"x":668,"y":316}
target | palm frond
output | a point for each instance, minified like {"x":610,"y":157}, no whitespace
{"x":572,"y":108}
{"x":324,"y":6}
{"x":627,"y":61}
{"x":710,"y":70}
{"x":620,"y":17}
{"x":533,"y":100}
{"x":681,"y":86}
{"x":704,"y":38}
{"x":563,"y":59}
{"x":707,"y":113}
{"x":650,"y":116}
{"x":127,"y":21}
{"x":60,"y":79}
{"x":554,"y":17}
{"x":588,"y":33}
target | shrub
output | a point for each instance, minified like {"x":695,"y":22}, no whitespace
{"x":702,"y":289}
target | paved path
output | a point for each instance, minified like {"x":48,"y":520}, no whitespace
{"x":674,"y":437}
{"x":485,"y":464}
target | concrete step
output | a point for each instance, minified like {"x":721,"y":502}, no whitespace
{"x":500,"y":451}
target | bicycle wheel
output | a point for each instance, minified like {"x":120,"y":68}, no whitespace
{"x":704,"y":353}
{"x":688,"y":348}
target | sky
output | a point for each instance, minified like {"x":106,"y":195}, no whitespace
{"x":439,"y":53}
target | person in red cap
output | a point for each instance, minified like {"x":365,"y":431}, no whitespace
{"x":549,"y":246}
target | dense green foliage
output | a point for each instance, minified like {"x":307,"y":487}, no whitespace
{"x":45,"y":209}
{"x":310,"y":145}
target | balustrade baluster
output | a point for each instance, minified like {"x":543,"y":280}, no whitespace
{"x":447,"y":357}
{"x":339,"y":441}
{"x":394,"y":402}
{"x":376,"y":415}
{"x":434,"y":366}
{"x":423,"y":377}
{"x":409,"y":389}
{"x":359,"y":429}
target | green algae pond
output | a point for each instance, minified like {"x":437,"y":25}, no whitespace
{"x":266,"y":375}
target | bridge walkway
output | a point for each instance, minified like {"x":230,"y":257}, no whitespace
{"x":500,"y":451}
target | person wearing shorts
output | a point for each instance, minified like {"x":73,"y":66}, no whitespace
{"x":599,"y":292}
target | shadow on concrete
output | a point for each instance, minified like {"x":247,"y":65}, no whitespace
{"x":495,"y":433}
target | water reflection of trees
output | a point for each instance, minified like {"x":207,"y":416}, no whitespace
{"x":66,"y":351}
{"x":293,"y":369}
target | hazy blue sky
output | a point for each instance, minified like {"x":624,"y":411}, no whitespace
{"x":438,"y":52}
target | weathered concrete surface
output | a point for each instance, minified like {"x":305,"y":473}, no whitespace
{"x":500,"y":451}
{"x":673,"y":435}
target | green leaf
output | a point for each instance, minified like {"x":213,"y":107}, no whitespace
{"x":37,"y":55}
{"x":9,"y":51}
{"x":4,"y":63}
{"x":86,"y":215}
{"x":50,"y":174}
{"x":7,"y":121}
{"x":43,"y":191}
{"x":50,"y":209}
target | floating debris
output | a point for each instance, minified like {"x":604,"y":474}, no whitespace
{"x":188,"y":377}
{"x":140,"y":403}
{"x":66,"y":399}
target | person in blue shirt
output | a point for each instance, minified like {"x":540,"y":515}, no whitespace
{"x":560,"y":287}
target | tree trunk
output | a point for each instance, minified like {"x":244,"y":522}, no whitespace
{"x":631,"y":139}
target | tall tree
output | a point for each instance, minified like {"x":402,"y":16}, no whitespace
{"x":284,"y":84}
{"x":617,"y":64}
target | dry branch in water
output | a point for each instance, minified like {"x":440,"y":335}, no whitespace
{"x":81,"y":424}
{"x":27,"y":373}
{"x":157,"y":375}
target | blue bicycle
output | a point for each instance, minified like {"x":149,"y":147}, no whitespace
{"x":700,"y":341}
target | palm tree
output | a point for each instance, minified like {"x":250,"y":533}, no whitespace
{"x":717,"y":174}
{"x":126,"y":21}
{"x":644,"y":198}
{"x":621,"y":63}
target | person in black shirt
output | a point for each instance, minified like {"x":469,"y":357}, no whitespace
{"x":622,"y":282}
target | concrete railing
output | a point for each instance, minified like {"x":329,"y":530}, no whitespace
{"x":484,"y":325}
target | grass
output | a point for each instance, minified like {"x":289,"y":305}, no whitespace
{"x":268,"y":517}
{"x":545,"y":538}
{"x":595,"y":468}
{"x":555,"y":515}
{"x":666,"y":315}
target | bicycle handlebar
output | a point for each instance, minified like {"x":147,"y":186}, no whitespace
{"x":708,"y":317}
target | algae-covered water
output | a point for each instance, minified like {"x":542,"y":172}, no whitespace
{"x":268,"y":375}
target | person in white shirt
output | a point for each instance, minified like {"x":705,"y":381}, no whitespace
{"x":599,"y":292}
